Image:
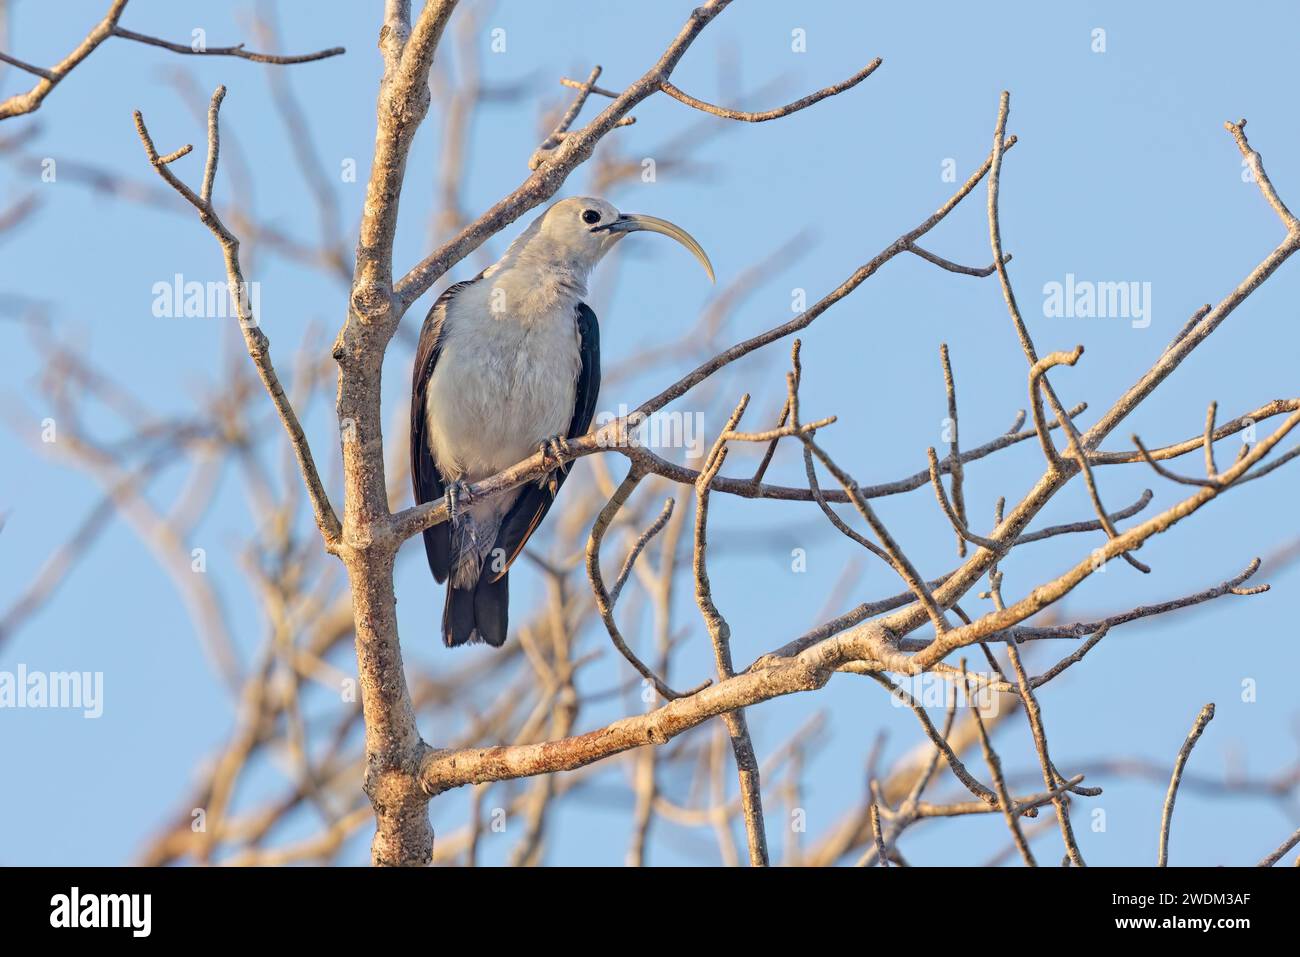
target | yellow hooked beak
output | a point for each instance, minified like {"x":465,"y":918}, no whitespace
{"x":636,"y":222}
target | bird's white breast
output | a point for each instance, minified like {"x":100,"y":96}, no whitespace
{"x":505,"y":381}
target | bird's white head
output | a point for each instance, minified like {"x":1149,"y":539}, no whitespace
{"x":576,"y":233}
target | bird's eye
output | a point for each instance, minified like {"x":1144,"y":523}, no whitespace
{"x":590,"y":217}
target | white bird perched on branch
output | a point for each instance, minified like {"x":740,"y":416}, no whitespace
{"x":509,"y":363}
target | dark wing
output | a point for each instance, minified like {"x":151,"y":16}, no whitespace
{"x":429,"y":484}
{"x":533,"y":502}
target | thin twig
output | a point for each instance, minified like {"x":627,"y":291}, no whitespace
{"x":1277,"y":855}
{"x":999,"y":782}
{"x":954,"y":448}
{"x":1035,"y":715}
{"x":236,"y":51}
{"x":256,"y":341}
{"x":780,"y":111}
{"x":605,"y":600}
{"x":1166,"y":818}
{"x":720,"y":635}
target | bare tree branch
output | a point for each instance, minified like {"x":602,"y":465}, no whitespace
{"x":29,"y":102}
{"x":1166,"y":818}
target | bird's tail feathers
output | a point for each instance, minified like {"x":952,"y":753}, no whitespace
{"x":477,"y":614}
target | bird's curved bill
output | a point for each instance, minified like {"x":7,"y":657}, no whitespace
{"x":636,"y":222}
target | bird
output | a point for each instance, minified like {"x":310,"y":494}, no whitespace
{"x":508,"y":364}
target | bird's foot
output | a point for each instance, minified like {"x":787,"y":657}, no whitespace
{"x":556,"y":447}
{"x":458,"y":496}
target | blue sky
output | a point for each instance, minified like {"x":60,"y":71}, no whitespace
{"x":1123,"y":173}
